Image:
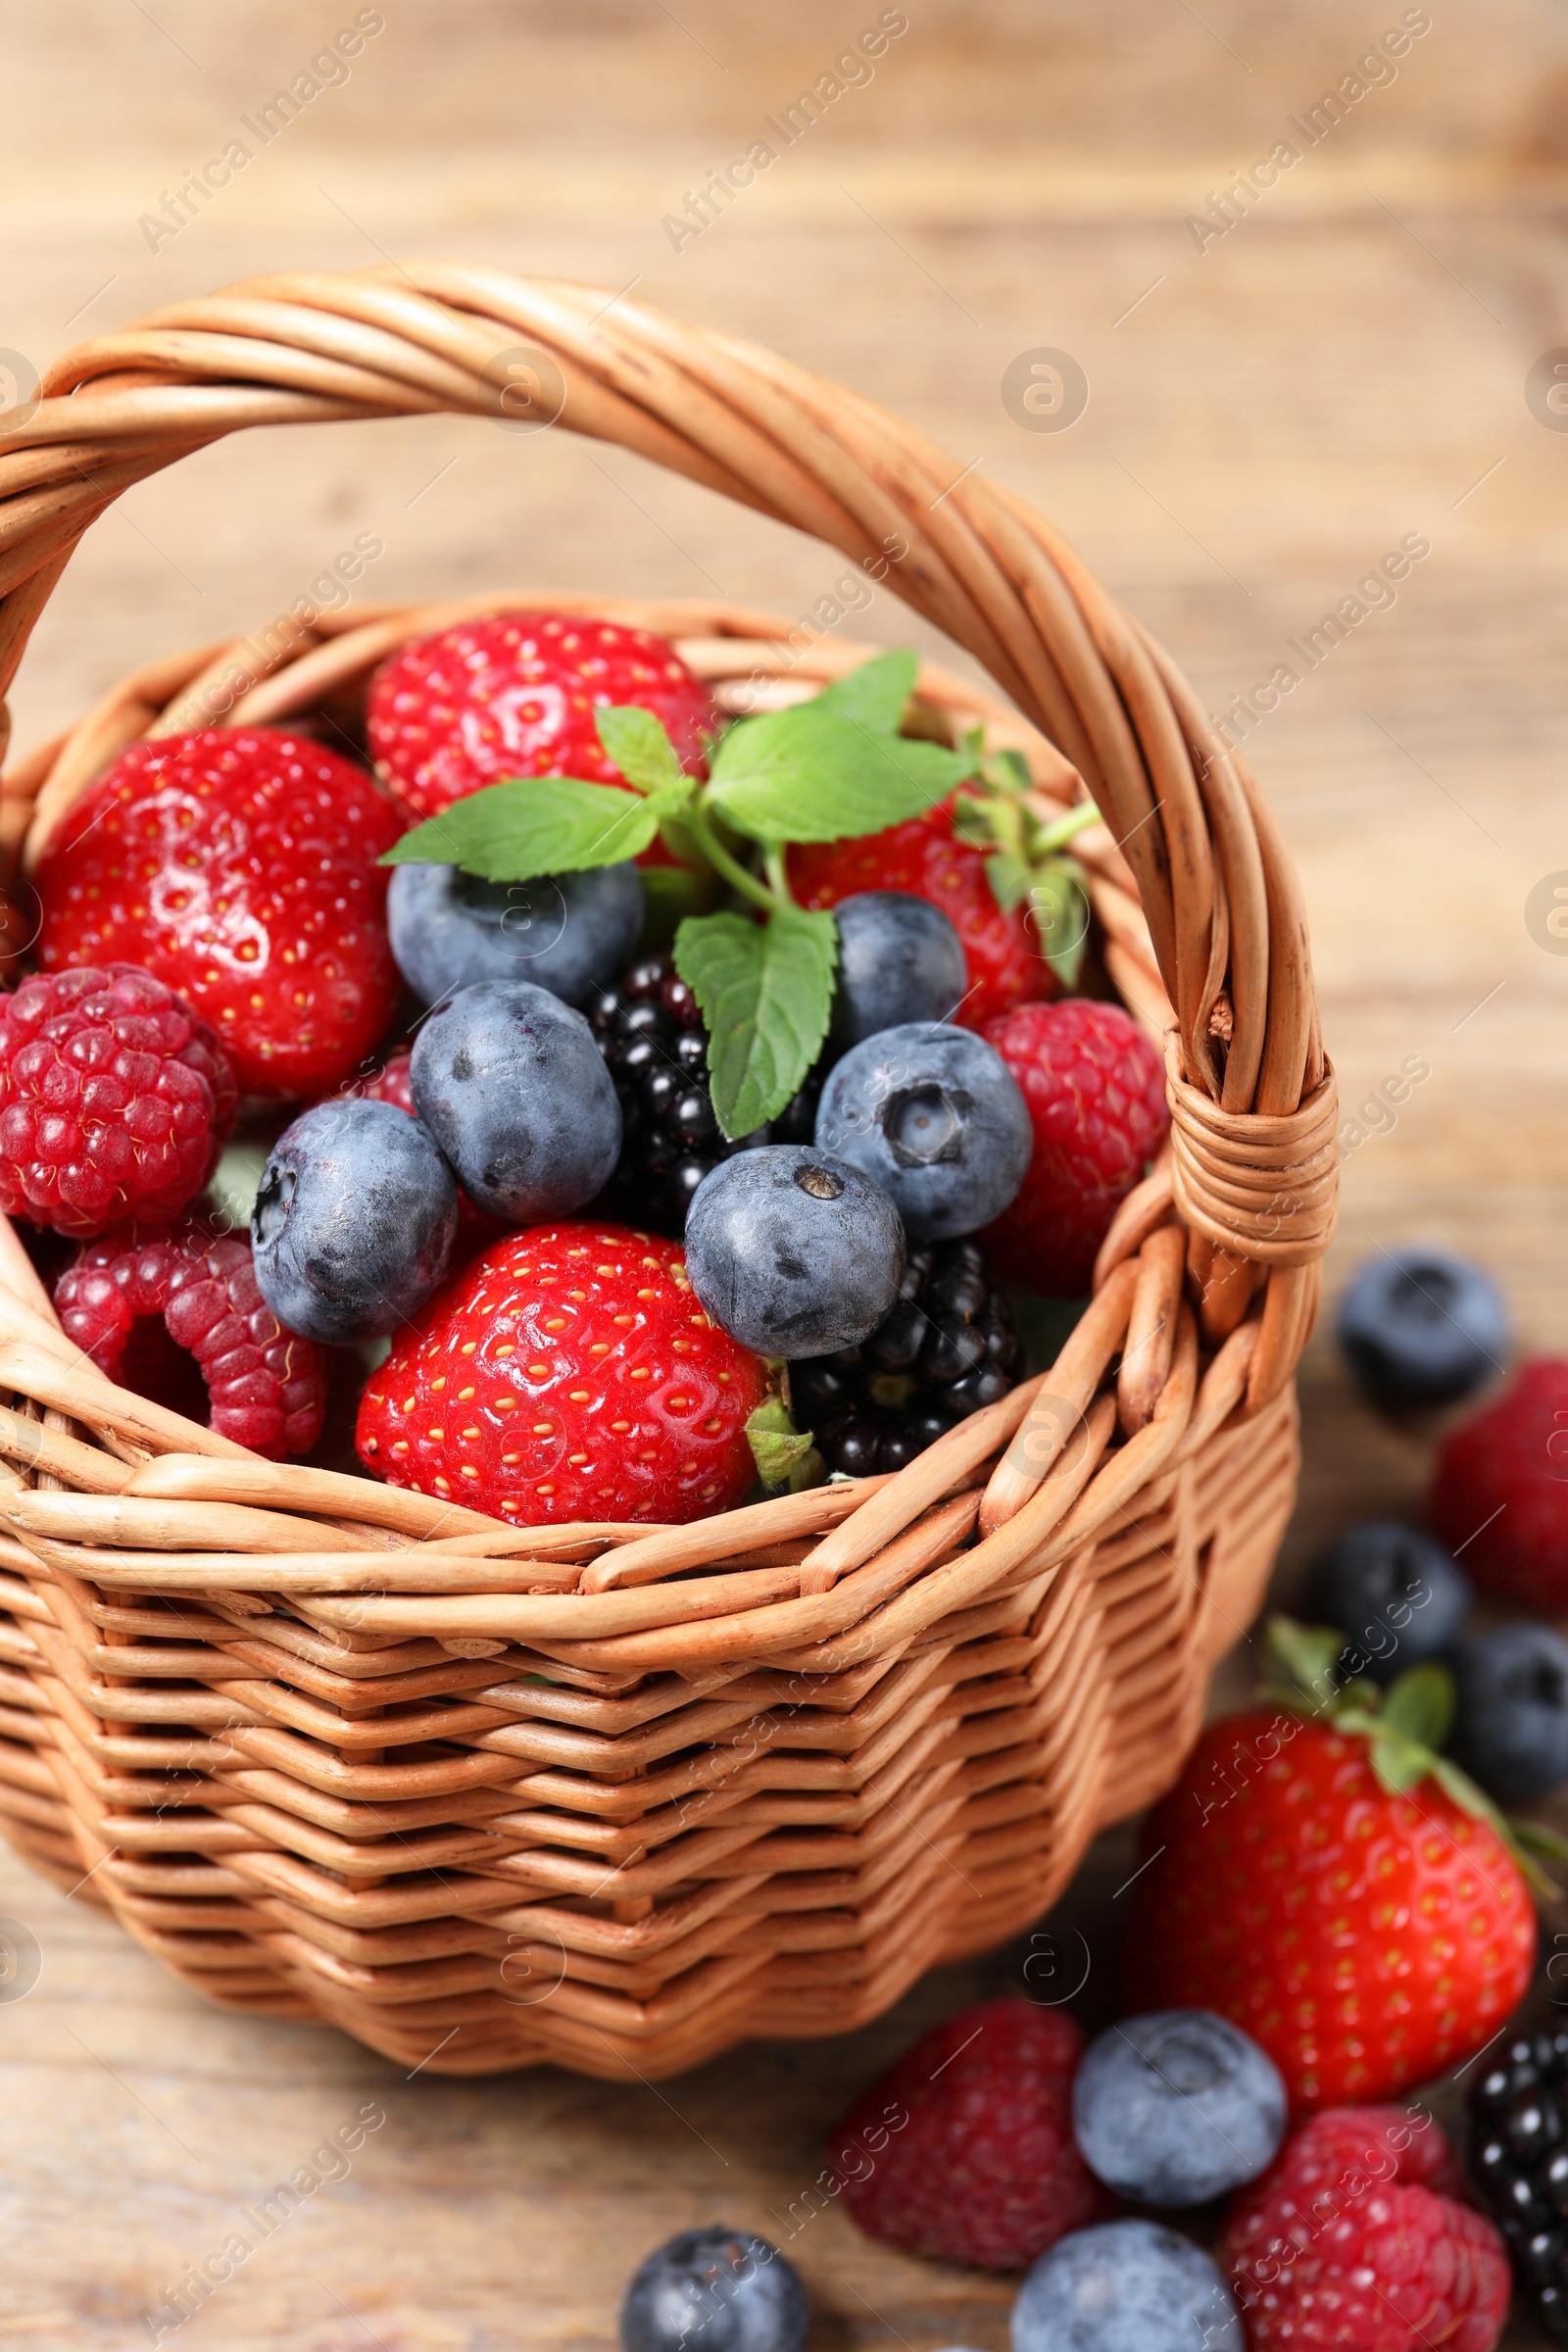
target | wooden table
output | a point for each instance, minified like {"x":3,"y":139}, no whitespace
{"x":1267,"y":416}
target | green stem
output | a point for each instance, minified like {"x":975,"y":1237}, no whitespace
{"x":719,"y":858}
{"x":777,"y":873}
{"x":1065,"y":828}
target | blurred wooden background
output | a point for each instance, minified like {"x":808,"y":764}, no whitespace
{"x":1266,"y":418}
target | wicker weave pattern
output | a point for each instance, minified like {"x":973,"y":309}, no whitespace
{"x":618,"y":1796}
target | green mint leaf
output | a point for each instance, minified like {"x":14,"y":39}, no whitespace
{"x":874,"y":695}
{"x":784,"y":1456}
{"x":766,"y":991}
{"x":1011,"y":771}
{"x":1419,"y":1705}
{"x":807,"y":774}
{"x":534,"y":825}
{"x":638,"y":745}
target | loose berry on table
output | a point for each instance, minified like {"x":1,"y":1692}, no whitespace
{"x":1175,"y":2108}
{"x":1499,"y":1490}
{"x":1422,"y":1327}
{"x":1396,"y":1594}
{"x":1125,"y":2286}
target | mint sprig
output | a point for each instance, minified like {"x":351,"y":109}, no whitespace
{"x":827,"y":769}
{"x":1027,"y":861}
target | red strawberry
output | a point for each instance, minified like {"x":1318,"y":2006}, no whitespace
{"x":390,"y":1084}
{"x":239,"y":866}
{"x":515,"y":695}
{"x":567,"y":1373}
{"x":1354,"y":2239}
{"x":1366,"y":1939}
{"x":965,"y":2148}
{"x":176,"y":1314}
{"x":1499,"y":1494}
{"x":114,"y":1099}
{"x":1096,"y":1093}
{"x":929,"y":861}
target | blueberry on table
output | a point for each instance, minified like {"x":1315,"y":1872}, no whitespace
{"x":934,"y":1115}
{"x":1396,"y":1595}
{"x":1510,"y":1715}
{"x":1422,"y":1327}
{"x":714,"y":2291}
{"x":901,"y":959}
{"x":354,"y":1221}
{"x":511,"y":1083}
{"x":1125,"y":2286}
{"x":791,"y":1252}
{"x":565,"y":932}
{"x":1177,"y":2107}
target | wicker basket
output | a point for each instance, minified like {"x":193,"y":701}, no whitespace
{"x":485,"y":1795}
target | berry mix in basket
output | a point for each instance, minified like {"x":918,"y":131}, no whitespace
{"x":634,"y":1102}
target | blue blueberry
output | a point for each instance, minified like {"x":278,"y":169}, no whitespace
{"x":1177,"y":2107}
{"x":1423,"y":1327}
{"x":511,"y":1083}
{"x":565,"y":932}
{"x":714,"y":2291}
{"x":934,"y":1115}
{"x":353,"y":1221}
{"x":899,"y":960}
{"x":1125,"y":2286}
{"x":792,"y":1253}
{"x":1396,"y":1593}
{"x":1510,"y":1713}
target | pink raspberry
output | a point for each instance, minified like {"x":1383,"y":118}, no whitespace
{"x":1349,"y":2239}
{"x":1096,"y":1093}
{"x":115,"y":1099}
{"x":153,"y":1308}
{"x":965,"y":2149}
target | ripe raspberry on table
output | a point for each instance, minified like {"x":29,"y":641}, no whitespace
{"x":115,"y":1099}
{"x":965,"y":2149}
{"x":1097,"y":1101}
{"x":239,"y":866}
{"x":567,"y":1373}
{"x":929,"y":861}
{"x":518,"y":695}
{"x":1354,"y":2239}
{"x":176,"y":1314}
{"x":1499,"y":1493}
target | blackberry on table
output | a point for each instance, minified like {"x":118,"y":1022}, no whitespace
{"x":1519,"y":2161}
{"x":947,"y":1348}
{"x":650,"y":1032}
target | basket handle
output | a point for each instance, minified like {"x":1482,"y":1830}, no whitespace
{"x":1218,"y":889}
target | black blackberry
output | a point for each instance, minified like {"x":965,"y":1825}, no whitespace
{"x":1519,"y":2161}
{"x":947,"y":1348}
{"x":651,"y":1035}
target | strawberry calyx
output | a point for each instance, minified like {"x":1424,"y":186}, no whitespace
{"x":1404,"y":1726}
{"x":786,"y":1457}
{"x":1027,"y":861}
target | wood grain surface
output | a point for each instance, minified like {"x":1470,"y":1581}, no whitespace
{"x":1267,"y":418}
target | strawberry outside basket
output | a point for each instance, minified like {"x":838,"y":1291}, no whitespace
{"x":609,"y":1796}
